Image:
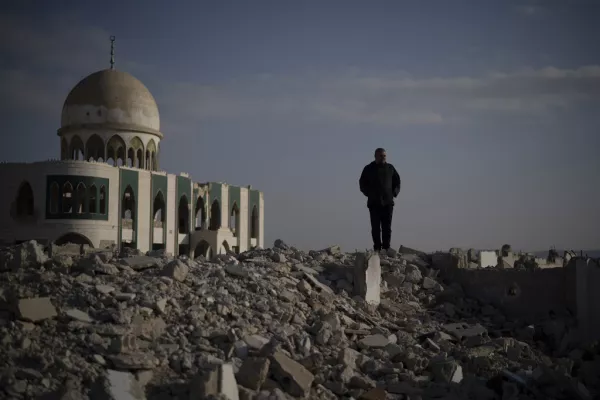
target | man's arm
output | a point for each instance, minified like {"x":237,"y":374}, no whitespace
{"x":364,"y":182}
{"x":396,"y":183}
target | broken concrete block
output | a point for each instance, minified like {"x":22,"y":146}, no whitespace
{"x":138,"y":263}
{"x":36,"y":309}
{"x":117,"y":385}
{"x":292,"y":376}
{"x":78,"y":315}
{"x":348,"y":357}
{"x":317,"y":285}
{"x":408,"y":250}
{"x":446,"y":371}
{"x":29,"y":254}
{"x":253,"y":372}
{"x":462,"y":330}
{"x":429,"y":283}
{"x":255,"y":342}
{"x":367,"y":277}
{"x":176,"y":270}
{"x":413,"y":274}
{"x":373,"y":342}
{"x":217,"y":381}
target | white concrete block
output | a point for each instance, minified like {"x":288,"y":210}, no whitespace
{"x":367,"y":277}
{"x":488,"y":259}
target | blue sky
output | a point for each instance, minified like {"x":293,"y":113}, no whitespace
{"x":488,"y":109}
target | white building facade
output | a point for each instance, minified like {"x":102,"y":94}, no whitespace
{"x":107,"y":190}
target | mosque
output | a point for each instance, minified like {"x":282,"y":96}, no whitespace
{"x":107,"y":189}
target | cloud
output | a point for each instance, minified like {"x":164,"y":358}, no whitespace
{"x":393,"y":99}
{"x":49,"y":58}
{"x":533,"y":8}
{"x":59,"y":42}
{"x":44,"y":59}
{"x":529,"y":10}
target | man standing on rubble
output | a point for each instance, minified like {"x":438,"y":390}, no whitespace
{"x":380,"y":183}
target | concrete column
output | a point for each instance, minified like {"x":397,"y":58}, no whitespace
{"x":225,"y":211}
{"x":171,"y":222}
{"x":261,"y":222}
{"x":145,"y":200}
{"x":243,"y":220}
{"x":191,"y":216}
{"x":367,"y":277}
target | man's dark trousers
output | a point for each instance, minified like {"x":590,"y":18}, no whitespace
{"x":381,"y":225}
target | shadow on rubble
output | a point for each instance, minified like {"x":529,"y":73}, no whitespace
{"x":167,"y":391}
{"x":531,"y":305}
{"x":543,"y":320}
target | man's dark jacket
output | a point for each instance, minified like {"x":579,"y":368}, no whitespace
{"x":380,"y":183}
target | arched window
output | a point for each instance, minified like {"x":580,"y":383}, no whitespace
{"x":102,"y":200}
{"x":25,"y":200}
{"x":139,"y":159}
{"x":128,"y":204}
{"x":202,"y":249}
{"x":234,"y":219}
{"x":67,"y":198}
{"x":159,"y":208}
{"x":184,"y":215}
{"x":95,"y":148}
{"x":77,"y":148}
{"x":137,"y":152}
{"x":200,"y":214}
{"x":80,"y":198}
{"x":150,"y":162}
{"x":130,"y":157}
{"x":115,"y":151}
{"x":92,"y":198}
{"x":215,"y":216}
{"x":54,"y":196}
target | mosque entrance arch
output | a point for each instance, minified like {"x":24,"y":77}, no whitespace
{"x":226,"y":246}
{"x":74,"y":238}
{"x":203,"y":249}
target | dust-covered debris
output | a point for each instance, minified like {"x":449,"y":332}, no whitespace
{"x":267,"y":324}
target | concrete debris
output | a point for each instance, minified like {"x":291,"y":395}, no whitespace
{"x":117,"y":385}
{"x":81,"y":323}
{"x":367,"y":277}
{"x":217,"y":381}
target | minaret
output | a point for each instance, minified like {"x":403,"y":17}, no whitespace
{"x":112,"y":52}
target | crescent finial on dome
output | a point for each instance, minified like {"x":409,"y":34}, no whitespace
{"x":112,"y":52}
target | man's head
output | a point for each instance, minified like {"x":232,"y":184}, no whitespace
{"x":380,"y":156}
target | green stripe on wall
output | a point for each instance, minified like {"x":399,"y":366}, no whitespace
{"x":234,"y":197}
{"x":160,"y":184}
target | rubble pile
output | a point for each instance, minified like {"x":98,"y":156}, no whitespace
{"x":266,"y":324}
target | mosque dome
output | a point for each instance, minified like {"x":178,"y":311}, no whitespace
{"x":111,"y":99}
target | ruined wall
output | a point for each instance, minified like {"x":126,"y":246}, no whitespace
{"x":528,"y":295}
{"x":587,"y":296}
{"x":47,"y":229}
